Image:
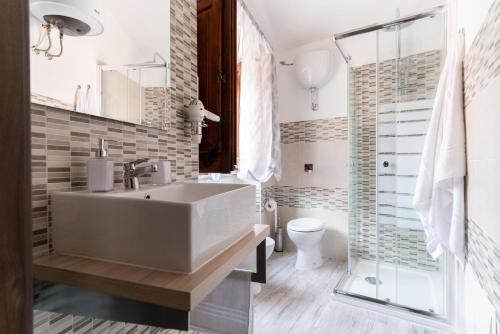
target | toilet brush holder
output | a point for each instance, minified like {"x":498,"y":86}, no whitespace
{"x":278,"y":238}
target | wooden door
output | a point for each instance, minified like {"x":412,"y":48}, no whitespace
{"x":15,"y":191}
{"x":217,"y":82}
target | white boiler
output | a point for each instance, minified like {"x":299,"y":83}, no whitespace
{"x":313,"y":70}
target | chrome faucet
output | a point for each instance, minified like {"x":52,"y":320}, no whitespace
{"x":131,"y":173}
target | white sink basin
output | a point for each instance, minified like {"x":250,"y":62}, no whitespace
{"x":177,"y":227}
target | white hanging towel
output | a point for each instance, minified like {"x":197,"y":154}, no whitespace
{"x":439,"y":193}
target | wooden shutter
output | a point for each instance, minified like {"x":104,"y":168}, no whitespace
{"x":217,"y":82}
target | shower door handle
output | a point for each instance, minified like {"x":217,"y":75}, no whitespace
{"x":385,"y":164}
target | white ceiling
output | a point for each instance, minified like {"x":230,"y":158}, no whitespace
{"x":150,"y":35}
{"x":291,"y":23}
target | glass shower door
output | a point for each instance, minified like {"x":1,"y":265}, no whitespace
{"x":353,"y":204}
{"x":362,"y":142}
{"x":407,"y":77}
{"x":386,"y":165}
{"x":391,"y":93}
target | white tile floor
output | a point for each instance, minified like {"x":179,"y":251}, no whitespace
{"x":302,"y":302}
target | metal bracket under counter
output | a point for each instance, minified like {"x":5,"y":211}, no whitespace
{"x":260,"y":275}
{"x":64,"y":285}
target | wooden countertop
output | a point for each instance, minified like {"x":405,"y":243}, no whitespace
{"x":168,"y":289}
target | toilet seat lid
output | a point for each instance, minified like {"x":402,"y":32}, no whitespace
{"x":305,"y":225}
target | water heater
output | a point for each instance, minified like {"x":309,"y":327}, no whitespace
{"x":313,"y":70}
{"x":71,"y":17}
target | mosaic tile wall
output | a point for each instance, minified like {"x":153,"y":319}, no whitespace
{"x":482,"y":62}
{"x":314,"y":131}
{"x":307,"y":197}
{"x":156,"y":107}
{"x":62,"y":143}
{"x":484,"y":258}
{"x":419,"y":77}
{"x":482,"y":69}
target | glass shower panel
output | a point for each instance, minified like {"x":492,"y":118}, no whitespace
{"x":387,"y":179}
{"x":419,"y":67}
{"x":353,"y":203}
{"x":391,"y":93}
{"x":362,"y":142}
{"x":408,"y":73}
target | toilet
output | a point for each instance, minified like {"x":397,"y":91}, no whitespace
{"x":306,"y":233}
{"x":269,"y":247}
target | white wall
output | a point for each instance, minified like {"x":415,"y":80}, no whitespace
{"x":294,"y":102}
{"x":474,"y":314}
{"x":470,"y":16}
{"x":474,"y":311}
{"x":123,"y":41}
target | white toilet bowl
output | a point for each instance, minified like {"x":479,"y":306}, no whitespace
{"x":269,"y":247}
{"x":306,"y":233}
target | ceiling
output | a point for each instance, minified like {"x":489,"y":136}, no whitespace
{"x":291,"y":23}
{"x":148,"y":38}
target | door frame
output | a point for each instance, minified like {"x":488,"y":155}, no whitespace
{"x":16,"y":313}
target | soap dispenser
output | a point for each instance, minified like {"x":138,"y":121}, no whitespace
{"x":100,"y":170}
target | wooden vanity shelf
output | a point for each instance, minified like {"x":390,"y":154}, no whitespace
{"x":121,"y":292}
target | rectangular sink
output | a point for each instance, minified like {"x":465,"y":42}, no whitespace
{"x":177,"y":227}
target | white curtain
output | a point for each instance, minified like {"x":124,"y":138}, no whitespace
{"x":259,"y":132}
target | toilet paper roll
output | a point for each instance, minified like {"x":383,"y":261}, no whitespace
{"x":270,"y":205}
{"x":164,"y":174}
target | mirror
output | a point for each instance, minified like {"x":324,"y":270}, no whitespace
{"x":95,"y":58}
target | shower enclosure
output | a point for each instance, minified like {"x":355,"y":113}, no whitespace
{"x":391,"y":93}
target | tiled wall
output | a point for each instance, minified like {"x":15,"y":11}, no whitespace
{"x":321,"y":194}
{"x":308,"y":197}
{"x":482,"y":100}
{"x":63,"y":141}
{"x":397,"y":142}
{"x":313,"y":131}
{"x":156,"y":107}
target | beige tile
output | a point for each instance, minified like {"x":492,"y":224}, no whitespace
{"x":485,"y":195}
{"x":488,"y":100}
{"x":292,"y":168}
{"x":330,"y":164}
